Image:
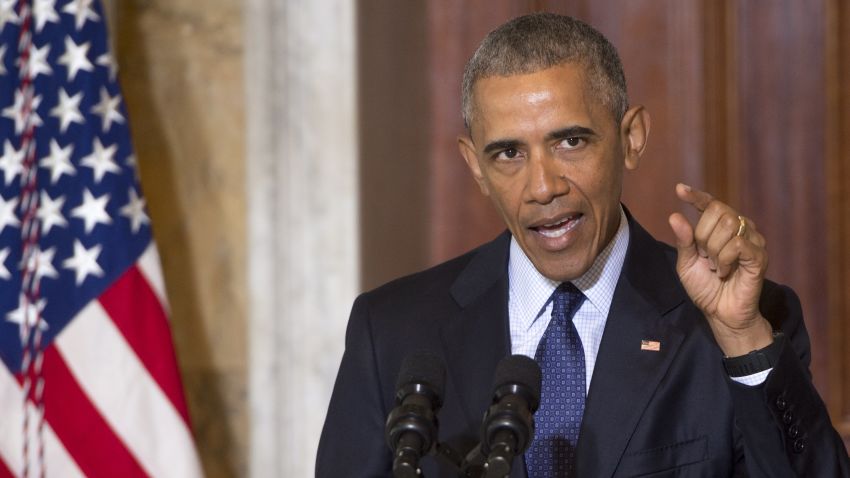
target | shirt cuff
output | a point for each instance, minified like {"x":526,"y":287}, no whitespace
{"x":757,"y":378}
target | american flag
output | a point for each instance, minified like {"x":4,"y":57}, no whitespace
{"x":88,"y":383}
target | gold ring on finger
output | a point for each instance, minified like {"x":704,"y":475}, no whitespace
{"x":742,"y":226}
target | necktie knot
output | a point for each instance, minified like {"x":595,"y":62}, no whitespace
{"x":566,"y":301}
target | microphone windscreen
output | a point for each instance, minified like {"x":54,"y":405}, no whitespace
{"x":518,"y":369}
{"x":423,"y":367}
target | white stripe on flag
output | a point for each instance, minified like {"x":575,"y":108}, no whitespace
{"x":126,"y":396}
{"x":59,"y":462}
{"x":149,"y":264}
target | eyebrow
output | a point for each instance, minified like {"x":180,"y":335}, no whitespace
{"x":570,"y":132}
{"x":501,"y":145}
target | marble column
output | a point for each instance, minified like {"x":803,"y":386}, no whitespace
{"x":303,"y":247}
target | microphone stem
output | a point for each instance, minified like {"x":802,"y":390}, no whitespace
{"x":406,"y":462}
{"x":501,"y":457}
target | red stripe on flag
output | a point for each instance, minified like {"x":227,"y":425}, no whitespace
{"x":95,"y":447}
{"x":5,"y":472}
{"x":138,"y":314}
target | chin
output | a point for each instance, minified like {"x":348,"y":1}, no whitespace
{"x":562,"y":272}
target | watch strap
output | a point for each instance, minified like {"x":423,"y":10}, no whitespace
{"x":757,"y":360}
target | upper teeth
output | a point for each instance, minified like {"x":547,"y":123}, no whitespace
{"x":557,"y":223}
{"x":557,"y":229}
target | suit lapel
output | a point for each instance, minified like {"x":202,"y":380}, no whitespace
{"x":475,"y":341}
{"x":625,"y":375}
{"x":479,"y":338}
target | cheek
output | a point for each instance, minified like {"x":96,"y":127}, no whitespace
{"x":506,"y":198}
{"x":501,"y":187}
{"x":601,"y":186}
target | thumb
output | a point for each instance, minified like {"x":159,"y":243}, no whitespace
{"x":684,"y":233}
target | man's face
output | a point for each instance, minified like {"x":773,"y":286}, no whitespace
{"x":551,"y":157}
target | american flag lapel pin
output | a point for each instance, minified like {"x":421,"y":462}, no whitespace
{"x":651,"y":345}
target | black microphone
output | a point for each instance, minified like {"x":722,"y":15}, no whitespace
{"x":508,"y":426}
{"x":411,"y":429}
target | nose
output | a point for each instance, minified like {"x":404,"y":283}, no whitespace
{"x":545,"y":181}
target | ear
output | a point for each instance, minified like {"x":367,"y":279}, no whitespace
{"x":467,"y":150}
{"x":634,"y":131}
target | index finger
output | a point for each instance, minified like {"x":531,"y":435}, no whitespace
{"x":698,"y":199}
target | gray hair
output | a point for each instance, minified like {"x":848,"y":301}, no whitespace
{"x":539,"y":41}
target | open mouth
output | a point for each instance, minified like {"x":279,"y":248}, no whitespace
{"x":559,"y":227}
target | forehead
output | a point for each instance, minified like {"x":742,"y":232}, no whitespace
{"x":551,"y":95}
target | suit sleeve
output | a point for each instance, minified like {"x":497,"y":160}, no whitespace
{"x":352,"y":442}
{"x":785,"y":428}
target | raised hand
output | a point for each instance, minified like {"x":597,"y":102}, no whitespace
{"x":722,"y":262}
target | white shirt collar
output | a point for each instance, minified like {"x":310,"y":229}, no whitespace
{"x":532,"y":290}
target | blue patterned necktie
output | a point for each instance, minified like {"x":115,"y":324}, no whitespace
{"x":557,"y":421}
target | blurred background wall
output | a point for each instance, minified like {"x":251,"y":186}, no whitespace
{"x":295,"y":153}
{"x":181,"y":72}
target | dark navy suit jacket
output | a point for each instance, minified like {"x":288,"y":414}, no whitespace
{"x":666,"y":413}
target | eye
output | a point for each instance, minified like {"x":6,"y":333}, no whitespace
{"x":573,"y":142}
{"x":507,"y":154}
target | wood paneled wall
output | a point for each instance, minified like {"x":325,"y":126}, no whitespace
{"x":838,"y":210}
{"x":748,"y":100}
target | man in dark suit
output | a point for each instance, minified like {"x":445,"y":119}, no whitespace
{"x":658,"y":339}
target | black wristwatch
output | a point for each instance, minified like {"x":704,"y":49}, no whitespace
{"x":757,"y":360}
